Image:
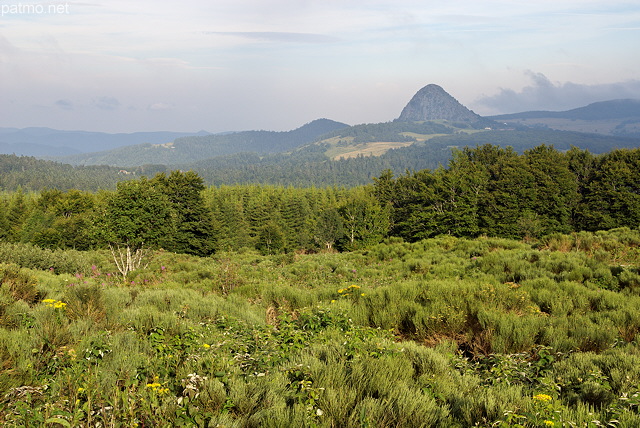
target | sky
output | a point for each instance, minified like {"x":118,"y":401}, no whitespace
{"x":232,"y":65}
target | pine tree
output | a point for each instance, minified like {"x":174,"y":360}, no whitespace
{"x":231,"y":227}
{"x":4,"y":222}
{"x":296,"y":217}
{"x":17,"y":213}
{"x":270,"y":239}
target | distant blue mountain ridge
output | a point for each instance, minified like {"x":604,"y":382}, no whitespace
{"x":53,"y":142}
{"x":603,"y":110}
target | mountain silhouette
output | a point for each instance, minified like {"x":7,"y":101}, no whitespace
{"x":434,"y":103}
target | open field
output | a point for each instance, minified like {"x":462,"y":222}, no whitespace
{"x":369,"y":149}
{"x":345,"y":148}
{"x":445,"y":332}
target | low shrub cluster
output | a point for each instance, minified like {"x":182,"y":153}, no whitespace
{"x":33,"y":257}
{"x":445,"y":332}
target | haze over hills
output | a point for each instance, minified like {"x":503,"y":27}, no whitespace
{"x":431,"y":103}
{"x":320,"y":153}
{"x":51,"y":142}
{"x":431,"y":112}
{"x":191,"y":149}
{"x":422,"y":136}
{"x":615,"y":117}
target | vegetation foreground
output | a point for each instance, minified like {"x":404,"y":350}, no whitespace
{"x":443,"y":332}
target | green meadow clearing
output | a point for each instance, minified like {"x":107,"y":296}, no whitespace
{"x":442,"y":332}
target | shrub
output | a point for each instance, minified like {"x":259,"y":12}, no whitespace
{"x":60,"y":261}
{"x":85,"y":302}
{"x":18,"y":284}
{"x":442,"y":332}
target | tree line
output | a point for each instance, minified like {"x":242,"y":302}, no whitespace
{"x":495,"y":191}
{"x":178,"y":213}
{"x":486,"y":190}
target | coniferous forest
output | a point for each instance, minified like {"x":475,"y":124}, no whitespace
{"x":499,"y":291}
{"x":484,"y":191}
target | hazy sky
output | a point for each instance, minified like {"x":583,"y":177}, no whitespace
{"x":123,"y":66}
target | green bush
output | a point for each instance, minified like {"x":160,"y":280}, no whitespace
{"x":442,"y":332}
{"x":59,"y":261}
{"x":18,"y":284}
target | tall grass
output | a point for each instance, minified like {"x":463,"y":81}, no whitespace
{"x":438,"y":333}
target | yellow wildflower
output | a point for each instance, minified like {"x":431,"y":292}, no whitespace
{"x":52,"y":303}
{"x":542,"y":397}
{"x":549,"y":423}
{"x":206,"y":345}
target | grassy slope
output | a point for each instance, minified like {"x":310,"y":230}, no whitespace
{"x":344,"y":147}
{"x":443,"y":332}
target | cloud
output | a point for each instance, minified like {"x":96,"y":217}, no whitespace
{"x":543,"y":94}
{"x":106,"y":103}
{"x":64,"y":104}
{"x":275,"y":36}
{"x":159,"y":106}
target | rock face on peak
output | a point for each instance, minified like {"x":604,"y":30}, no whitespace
{"x":434,"y":103}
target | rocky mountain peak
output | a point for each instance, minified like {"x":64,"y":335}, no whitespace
{"x":434,"y":103}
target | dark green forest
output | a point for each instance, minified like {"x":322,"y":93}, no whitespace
{"x":305,"y":166}
{"x":485,"y":190}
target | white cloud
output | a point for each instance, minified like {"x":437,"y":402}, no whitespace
{"x":160,"y":106}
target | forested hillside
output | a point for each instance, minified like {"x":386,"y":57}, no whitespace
{"x":191,"y":149}
{"x":484,"y":191}
{"x":615,"y":117}
{"x":31,"y":174}
{"x":315,"y":164}
{"x":309,"y":166}
{"x":394,"y":131}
